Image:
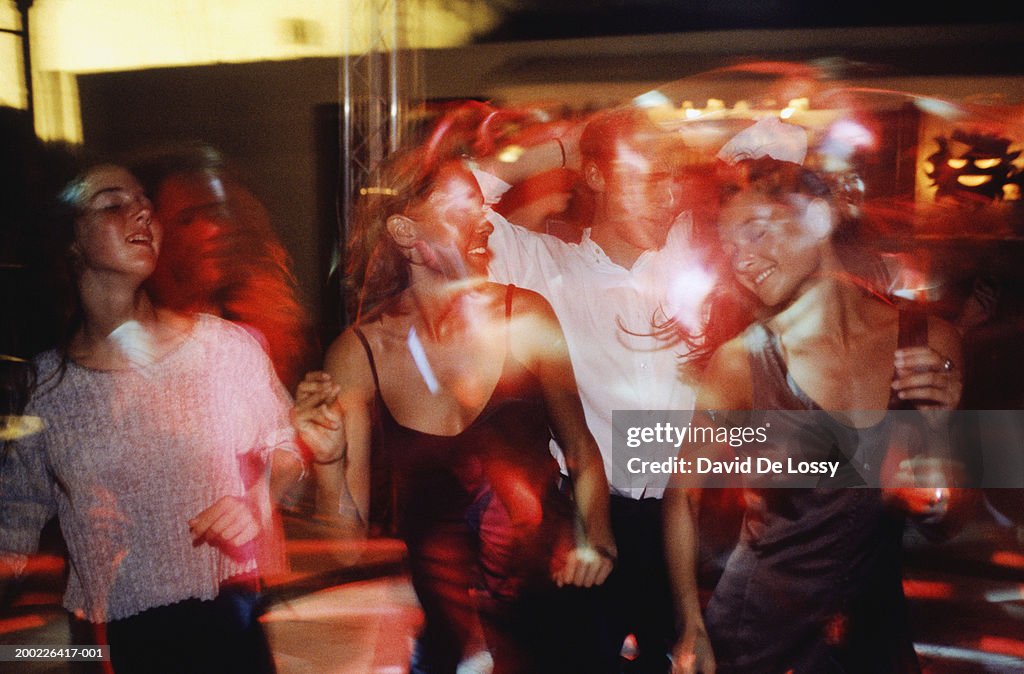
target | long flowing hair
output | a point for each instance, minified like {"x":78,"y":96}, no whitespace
{"x":258,"y":288}
{"x":56,"y":313}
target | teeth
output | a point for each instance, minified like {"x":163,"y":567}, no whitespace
{"x":477,"y":251}
{"x":759,"y":279}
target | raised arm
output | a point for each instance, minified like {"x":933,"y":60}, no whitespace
{"x":545,"y":147}
{"x":538,"y":343}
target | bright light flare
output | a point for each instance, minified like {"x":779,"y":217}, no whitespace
{"x":15,"y":427}
{"x":687,"y":292}
{"x":845,"y":137}
{"x":135,"y":343}
{"x":419,"y":356}
{"x":511,"y":154}
{"x":927,"y":589}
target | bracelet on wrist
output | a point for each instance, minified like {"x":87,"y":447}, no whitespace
{"x":561,"y":148}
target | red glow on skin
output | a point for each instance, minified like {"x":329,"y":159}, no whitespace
{"x":927,"y":589}
{"x":1002,"y":646}
{"x":1013,"y":560}
{"x":21,"y":623}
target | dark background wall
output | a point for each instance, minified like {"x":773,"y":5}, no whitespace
{"x":262,"y":116}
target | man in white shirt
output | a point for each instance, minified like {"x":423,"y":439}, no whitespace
{"x":633,"y":269}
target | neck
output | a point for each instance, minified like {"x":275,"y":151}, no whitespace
{"x":831,"y":304}
{"x":440,"y":303}
{"x":604,"y":231}
{"x":108,"y":302}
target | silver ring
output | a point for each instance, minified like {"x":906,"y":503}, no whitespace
{"x":947,"y":365}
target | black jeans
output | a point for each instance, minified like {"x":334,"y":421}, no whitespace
{"x":638,"y":595}
{"x":222,"y":635}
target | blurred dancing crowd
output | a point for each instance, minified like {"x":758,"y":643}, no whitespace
{"x":515,"y":280}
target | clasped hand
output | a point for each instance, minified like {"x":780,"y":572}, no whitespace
{"x":318,"y":419}
{"x":585,"y":566}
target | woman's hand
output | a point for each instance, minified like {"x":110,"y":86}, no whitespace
{"x":317,"y":419}
{"x":927,"y":377}
{"x":228,"y":524}
{"x":923,"y":487}
{"x":586,"y":566}
{"x":692,"y":654}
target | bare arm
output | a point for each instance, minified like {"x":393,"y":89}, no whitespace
{"x":692,"y":652}
{"x":554,"y":147}
{"x":538,"y":343}
{"x":726,"y":386}
{"x":333,"y":418}
{"x":286,"y":470}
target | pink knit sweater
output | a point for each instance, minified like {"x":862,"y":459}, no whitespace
{"x":127,"y":457}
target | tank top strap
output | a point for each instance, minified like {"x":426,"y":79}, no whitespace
{"x":369,"y":357}
{"x":509,"y":290}
{"x":772,"y":386}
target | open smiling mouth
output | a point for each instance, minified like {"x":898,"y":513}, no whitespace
{"x":760,"y":278}
{"x":140,"y":238}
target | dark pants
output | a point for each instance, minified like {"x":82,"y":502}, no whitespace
{"x":551,"y":631}
{"x":638,"y":594}
{"x":222,"y":635}
{"x":485,"y":581}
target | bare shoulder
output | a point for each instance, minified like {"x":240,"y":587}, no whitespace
{"x":533,"y":319}
{"x":726,"y":381}
{"x":528,"y":303}
{"x":348,"y":362}
{"x":536,"y":335}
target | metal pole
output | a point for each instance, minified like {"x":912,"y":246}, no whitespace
{"x":26,"y":53}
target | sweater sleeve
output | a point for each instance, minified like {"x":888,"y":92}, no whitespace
{"x":271,"y":404}
{"x":26,"y":495}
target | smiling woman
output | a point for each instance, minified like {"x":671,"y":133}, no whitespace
{"x":455,"y":385}
{"x":813,"y":583}
{"x":779,"y":225}
{"x":114,"y":230}
{"x":159,"y":433}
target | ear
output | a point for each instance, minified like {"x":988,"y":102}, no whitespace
{"x":593,"y":176}
{"x":402,"y":229}
{"x":819,"y":219}
{"x":73,"y":255}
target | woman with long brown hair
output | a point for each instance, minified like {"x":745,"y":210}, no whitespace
{"x":459,"y":383}
{"x":158,"y":433}
{"x":814,"y":582}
